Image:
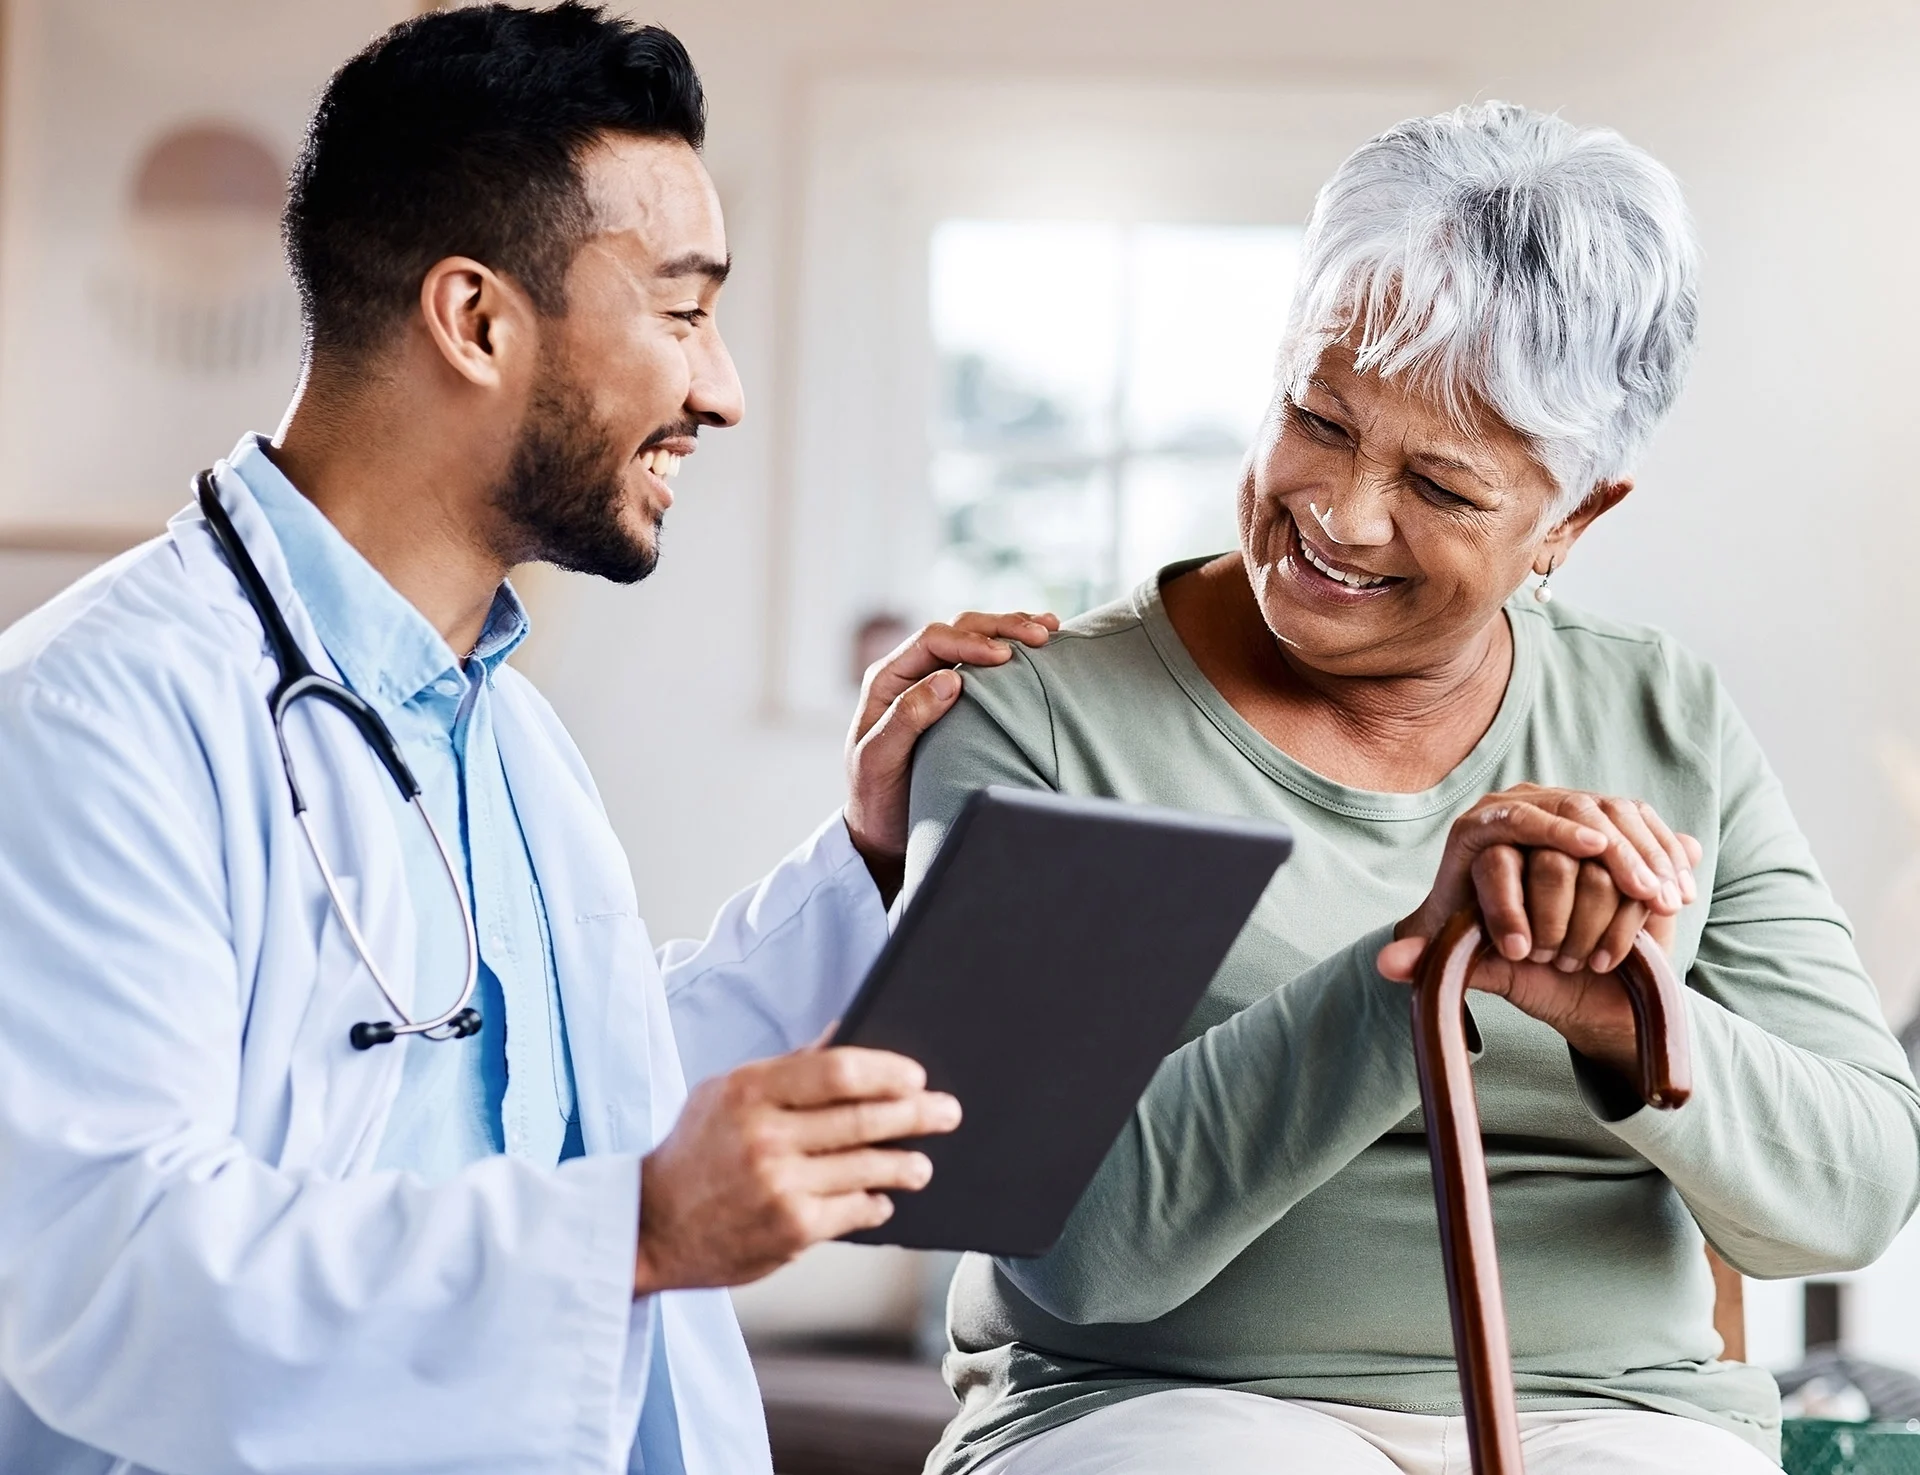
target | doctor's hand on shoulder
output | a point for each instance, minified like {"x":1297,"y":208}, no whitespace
{"x":904,"y":695}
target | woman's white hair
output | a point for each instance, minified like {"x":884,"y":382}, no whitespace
{"x":1500,"y":257}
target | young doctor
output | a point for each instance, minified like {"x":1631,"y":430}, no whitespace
{"x":344,"y":1120}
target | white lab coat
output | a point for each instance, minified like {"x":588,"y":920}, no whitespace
{"x":199,"y":1270}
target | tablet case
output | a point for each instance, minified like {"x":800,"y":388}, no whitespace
{"x":1041,"y":973}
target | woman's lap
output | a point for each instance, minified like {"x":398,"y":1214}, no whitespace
{"x":1221,"y":1432}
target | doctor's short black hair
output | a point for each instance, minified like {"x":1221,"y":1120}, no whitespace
{"x":458,"y":133}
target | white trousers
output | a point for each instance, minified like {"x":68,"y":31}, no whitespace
{"x":1216,"y":1431}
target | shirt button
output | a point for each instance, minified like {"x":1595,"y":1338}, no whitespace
{"x":447,"y":687}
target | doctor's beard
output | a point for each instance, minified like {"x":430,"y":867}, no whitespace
{"x":563,"y":493}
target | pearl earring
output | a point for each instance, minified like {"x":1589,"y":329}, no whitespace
{"x":1543,"y":591}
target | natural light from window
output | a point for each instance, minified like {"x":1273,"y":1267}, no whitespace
{"x":1098,"y":385}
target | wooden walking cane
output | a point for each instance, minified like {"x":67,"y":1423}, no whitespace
{"x":1460,"y":1161}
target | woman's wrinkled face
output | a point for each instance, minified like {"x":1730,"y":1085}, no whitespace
{"x":1380,"y":539}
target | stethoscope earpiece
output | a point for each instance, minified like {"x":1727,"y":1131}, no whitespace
{"x":365,"y":1036}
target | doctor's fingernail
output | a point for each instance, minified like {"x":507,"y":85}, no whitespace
{"x":945,"y":684}
{"x":1542,"y":955}
{"x":1514,"y":946}
{"x":1601,"y":961}
{"x":1567,"y":965}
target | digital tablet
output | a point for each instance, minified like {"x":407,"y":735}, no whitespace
{"x":1041,"y":972}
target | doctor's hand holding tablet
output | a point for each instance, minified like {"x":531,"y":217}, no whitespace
{"x":777,"y":1156}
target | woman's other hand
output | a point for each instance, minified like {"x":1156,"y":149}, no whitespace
{"x":1564,"y":881}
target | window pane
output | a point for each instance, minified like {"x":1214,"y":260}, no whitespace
{"x":1026,"y":326}
{"x":1175,"y":507}
{"x":1098,"y":387}
{"x":1020,"y":534}
{"x":1206,"y":305}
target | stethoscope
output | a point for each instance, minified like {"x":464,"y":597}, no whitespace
{"x":298,"y":682}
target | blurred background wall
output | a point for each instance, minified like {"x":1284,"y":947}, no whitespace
{"x":907,"y":437}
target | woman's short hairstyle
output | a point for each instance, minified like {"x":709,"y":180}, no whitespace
{"x":1503,"y":258}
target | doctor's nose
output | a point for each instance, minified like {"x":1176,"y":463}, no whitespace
{"x":714,"y":394}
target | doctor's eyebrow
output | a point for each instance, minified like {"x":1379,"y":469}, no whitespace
{"x":696,"y":264}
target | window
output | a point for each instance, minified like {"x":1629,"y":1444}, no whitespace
{"x":1033,"y":329}
{"x":1096,"y":388}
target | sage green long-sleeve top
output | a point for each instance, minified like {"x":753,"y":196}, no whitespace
{"x":1265,"y":1221}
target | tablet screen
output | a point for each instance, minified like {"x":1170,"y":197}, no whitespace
{"x":1041,"y":972}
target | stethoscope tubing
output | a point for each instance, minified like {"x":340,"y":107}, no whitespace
{"x":299,"y":681}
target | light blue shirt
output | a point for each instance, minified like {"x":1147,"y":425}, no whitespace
{"x":509,"y":1088}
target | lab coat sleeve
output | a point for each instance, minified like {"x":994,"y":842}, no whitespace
{"x":174,"y":1300}
{"x":782,"y":960}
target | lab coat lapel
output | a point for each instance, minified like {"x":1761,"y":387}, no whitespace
{"x":604,"y":963}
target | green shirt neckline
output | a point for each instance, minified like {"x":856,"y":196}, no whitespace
{"x":1469,"y":776}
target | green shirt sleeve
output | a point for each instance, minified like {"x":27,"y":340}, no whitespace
{"x":1800,"y":1150}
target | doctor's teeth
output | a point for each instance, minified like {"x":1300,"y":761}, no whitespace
{"x":661,"y":463}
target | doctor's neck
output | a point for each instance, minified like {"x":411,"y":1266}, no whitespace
{"x":404,"y":469}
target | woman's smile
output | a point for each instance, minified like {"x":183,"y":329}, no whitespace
{"x":1319,"y":575}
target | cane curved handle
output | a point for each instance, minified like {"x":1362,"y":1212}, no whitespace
{"x":1664,"y":1079}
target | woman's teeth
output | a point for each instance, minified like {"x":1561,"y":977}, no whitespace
{"x":1352,"y":581}
{"x":661,"y":463}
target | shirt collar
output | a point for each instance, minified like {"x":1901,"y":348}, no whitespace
{"x":386,"y":649}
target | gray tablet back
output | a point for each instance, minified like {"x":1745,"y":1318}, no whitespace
{"x":1041,"y":973}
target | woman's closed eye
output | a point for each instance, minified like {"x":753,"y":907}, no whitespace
{"x":1326,"y":431}
{"x":1438,"y":495}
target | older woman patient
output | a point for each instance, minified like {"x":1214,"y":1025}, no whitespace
{"x":1495,"y":311}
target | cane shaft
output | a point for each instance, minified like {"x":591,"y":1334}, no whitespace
{"x":1460,"y":1165}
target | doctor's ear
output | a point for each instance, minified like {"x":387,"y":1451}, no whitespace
{"x":481,"y":322}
